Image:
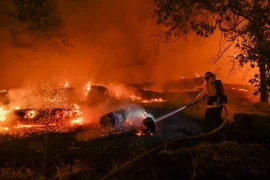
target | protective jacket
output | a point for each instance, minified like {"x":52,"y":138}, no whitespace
{"x":213,"y":92}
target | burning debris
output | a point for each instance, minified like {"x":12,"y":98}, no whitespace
{"x":96,"y":93}
{"x":55,"y":107}
{"x":114,"y":119}
{"x":143,"y":122}
{"x":39,"y":120}
{"x":39,"y":109}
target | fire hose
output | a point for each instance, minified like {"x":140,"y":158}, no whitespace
{"x":168,"y":142}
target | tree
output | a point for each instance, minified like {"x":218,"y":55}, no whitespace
{"x":36,"y":20}
{"x":244,"y":24}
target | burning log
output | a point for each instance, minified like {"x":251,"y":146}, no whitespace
{"x":114,"y":119}
{"x":96,"y":93}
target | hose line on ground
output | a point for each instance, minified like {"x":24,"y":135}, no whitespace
{"x":164,"y":145}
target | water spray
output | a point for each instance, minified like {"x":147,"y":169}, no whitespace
{"x":170,"y":114}
{"x":150,"y":123}
{"x":164,"y":145}
{"x":115,"y":119}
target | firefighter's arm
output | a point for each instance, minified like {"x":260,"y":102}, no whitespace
{"x":201,"y":96}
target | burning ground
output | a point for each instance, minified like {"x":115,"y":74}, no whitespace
{"x":90,"y":152}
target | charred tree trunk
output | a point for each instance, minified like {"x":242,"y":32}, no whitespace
{"x":263,"y":84}
{"x":258,"y":25}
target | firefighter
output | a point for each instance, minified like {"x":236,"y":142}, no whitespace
{"x":213,"y":93}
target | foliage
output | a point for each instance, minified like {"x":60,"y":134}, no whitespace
{"x":35,"y":20}
{"x":244,"y":24}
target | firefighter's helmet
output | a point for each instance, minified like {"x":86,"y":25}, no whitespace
{"x":208,"y":74}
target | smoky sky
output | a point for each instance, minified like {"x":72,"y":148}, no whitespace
{"x":111,"y":41}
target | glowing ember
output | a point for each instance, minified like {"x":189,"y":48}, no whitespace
{"x":134,"y":97}
{"x":22,"y":127}
{"x":29,"y":126}
{"x":31,"y":114}
{"x":154,"y":100}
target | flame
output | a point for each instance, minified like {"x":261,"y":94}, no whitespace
{"x":3,"y":113}
{"x":88,"y":88}
{"x":153,"y":100}
{"x":243,"y":90}
{"x":197,"y":75}
{"x":75,"y":117}
{"x":240,"y":89}
{"x":31,"y":114}
{"x":77,"y":121}
{"x":29,"y":126}
{"x":134,"y":97}
{"x":66,"y":84}
{"x":4,"y":129}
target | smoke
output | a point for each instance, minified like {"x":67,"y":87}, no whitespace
{"x":135,"y":115}
{"x":120,"y":91}
{"x":112,"y":41}
{"x":52,"y":93}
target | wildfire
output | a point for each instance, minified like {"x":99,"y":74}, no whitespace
{"x":153,"y":100}
{"x":4,"y":129}
{"x":70,"y":119}
{"x":31,"y":114}
{"x":77,"y":121}
{"x":3,"y":113}
{"x":88,"y":88}
{"x":134,"y":97}
{"x":240,"y":89}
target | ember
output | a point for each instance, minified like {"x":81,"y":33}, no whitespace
{"x":49,"y":110}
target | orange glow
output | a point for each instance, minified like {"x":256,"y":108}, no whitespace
{"x":154,"y":100}
{"x":134,"y":58}
{"x":19,"y":127}
{"x":88,"y":88}
{"x":4,"y":129}
{"x":66,"y":85}
{"x":29,"y":126}
{"x":139,"y":134}
{"x":77,"y":121}
{"x":31,"y":114}
{"x":3,"y":113}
